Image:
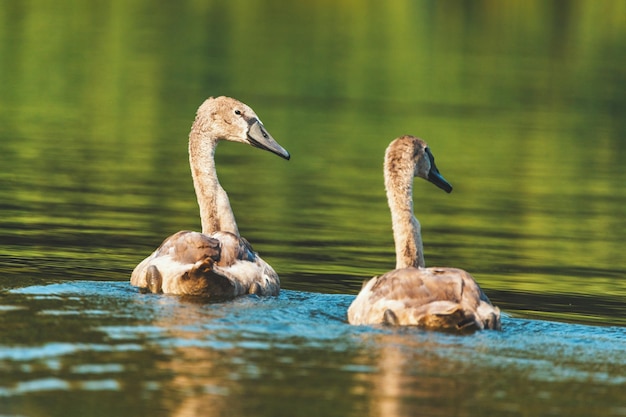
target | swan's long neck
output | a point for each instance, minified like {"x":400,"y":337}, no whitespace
{"x":406,"y":228}
{"x":215,"y":211}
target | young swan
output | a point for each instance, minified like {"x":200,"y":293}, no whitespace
{"x":217,"y":263}
{"x":440,"y":298}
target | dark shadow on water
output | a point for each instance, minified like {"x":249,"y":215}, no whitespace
{"x":584,"y":309}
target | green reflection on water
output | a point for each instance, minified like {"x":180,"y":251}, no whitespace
{"x":519,"y":103}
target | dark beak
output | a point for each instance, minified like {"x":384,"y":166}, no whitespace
{"x":259,"y":138}
{"x":435,"y":177}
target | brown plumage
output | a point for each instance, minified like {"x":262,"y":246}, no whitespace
{"x":217,"y":263}
{"x":441,"y":298}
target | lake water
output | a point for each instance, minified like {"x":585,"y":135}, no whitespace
{"x":521,"y":103}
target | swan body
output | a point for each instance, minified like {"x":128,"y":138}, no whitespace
{"x":439,"y":298}
{"x":217,"y":263}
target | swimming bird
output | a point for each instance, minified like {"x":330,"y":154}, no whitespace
{"x":439,"y":298}
{"x":217,"y":263}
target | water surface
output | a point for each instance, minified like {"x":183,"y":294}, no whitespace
{"x":520,"y":103}
{"x":287,"y":355}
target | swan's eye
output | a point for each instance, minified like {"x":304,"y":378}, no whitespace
{"x":237,"y":112}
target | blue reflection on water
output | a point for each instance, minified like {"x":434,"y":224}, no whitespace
{"x":545,"y":350}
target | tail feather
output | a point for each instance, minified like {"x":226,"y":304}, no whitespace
{"x":449,"y":315}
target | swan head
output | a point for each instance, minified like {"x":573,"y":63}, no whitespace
{"x":229,"y":119}
{"x":411,"y":152}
